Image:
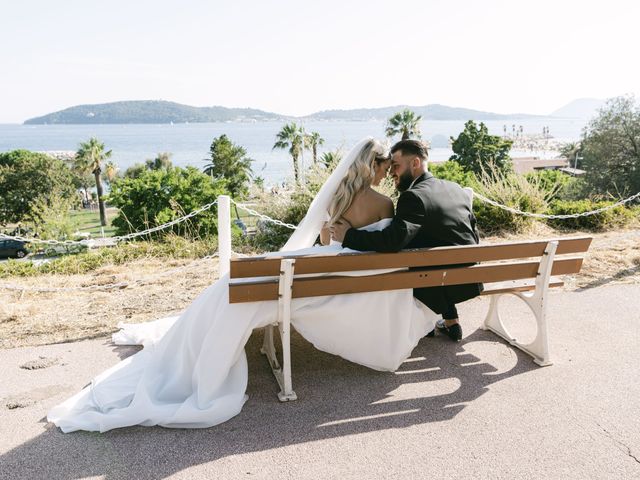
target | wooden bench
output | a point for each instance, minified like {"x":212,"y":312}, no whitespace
{"x":526,"y":269}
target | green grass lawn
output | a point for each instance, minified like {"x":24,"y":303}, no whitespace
{"x":89,"y":221}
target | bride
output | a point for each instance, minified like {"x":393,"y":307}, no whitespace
{"x":192,"y":371}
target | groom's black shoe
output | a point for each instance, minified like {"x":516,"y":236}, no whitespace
{"x":454,"y":332}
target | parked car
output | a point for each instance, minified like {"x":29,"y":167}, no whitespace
{"x":12,"y":249}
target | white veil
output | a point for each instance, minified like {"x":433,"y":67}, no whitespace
{"x":310,"y":226}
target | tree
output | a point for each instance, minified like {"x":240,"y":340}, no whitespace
{"x":611,"y":148}
{"x":159,"y":196}
{"x":91,"y":157}
{"x":135,"y":170}
{"x":291,"y":137}
{"x":162,"y":161}
{"x":312,"y":141}
{"x":29,"y":182}
{"x":406,"y":123}
{"x":477,"y":151}
{"x":231,"y":163}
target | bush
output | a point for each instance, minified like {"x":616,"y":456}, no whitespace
{"x":615,"y":217}
{"x":512,"y":190}
{"x":159,"y":196}
{"x":557,"y":184}
{"x":453,"y":172}
{"x":271,"y":237}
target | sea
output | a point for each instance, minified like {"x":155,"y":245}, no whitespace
{"x":189,"y":143}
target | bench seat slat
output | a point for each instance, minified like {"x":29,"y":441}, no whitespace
{"x":517,"y":286}
{"x":335,"y":285}
{"x":267,"y":267}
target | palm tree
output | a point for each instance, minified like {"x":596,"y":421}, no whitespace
{"x":291,"y":137}
{"x":90,"y":157}
{"x":110,"y":171}
{"x":570,"y":152}
{"x":331,"y":159}
{"x":405,"y":122}
{"x":312,"y":141}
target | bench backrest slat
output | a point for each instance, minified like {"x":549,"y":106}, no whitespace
{"x":266,"y":267}
{"x":333,"y":285}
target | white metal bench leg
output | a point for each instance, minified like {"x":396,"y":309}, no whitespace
{"x":282,"y":374}
{"x":269,"y":348}
{"x":537,"y":302}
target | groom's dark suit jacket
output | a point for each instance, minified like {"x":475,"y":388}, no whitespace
{"x":432,"y":213}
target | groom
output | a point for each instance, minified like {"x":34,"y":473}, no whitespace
{"x":430,"y":213}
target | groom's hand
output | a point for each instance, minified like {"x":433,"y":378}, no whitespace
{"x":339,"y":229}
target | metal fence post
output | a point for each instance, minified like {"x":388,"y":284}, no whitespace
{"x":224,"y":234}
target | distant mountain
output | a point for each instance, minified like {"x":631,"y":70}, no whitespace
{"x":151,"y":111}
{"x":582,"y":108}
{"x":160,"y":111}
{"x":428,"y":112}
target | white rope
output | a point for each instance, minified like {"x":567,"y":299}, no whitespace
{"x":293,"y":227}
{"x":262,"y":216}
{"x":559,"y":217}
{"x":148,"y":230}
{"x":113,"y":239}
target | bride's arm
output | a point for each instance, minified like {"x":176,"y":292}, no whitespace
{"x":325,"y":236}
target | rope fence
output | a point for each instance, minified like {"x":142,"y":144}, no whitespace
{"x":515,"y":211}
{"x":275,"y":221}
{"x":223,"y":257}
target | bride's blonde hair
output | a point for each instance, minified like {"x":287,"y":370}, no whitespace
{"x":359,"y":176}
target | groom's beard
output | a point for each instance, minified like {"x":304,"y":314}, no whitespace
{"x":405,"y":181}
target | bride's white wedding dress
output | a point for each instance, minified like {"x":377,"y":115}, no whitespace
{"x":192,"y":371}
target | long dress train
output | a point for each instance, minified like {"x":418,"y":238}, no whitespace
{"x":192,"y":372}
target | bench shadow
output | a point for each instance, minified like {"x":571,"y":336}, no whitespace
{"x":335,"y":398}
{"x":627,"y":272}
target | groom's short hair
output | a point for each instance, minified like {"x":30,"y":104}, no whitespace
{"x":411,"y":147}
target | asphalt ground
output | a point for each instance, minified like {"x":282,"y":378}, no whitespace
{"x":475,"y":409}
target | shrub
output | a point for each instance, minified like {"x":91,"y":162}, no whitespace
{"x":453,"y":172}
{"x":557,"y":184}
{"x":512,"y":190}
{"x":159,"y":196}
{"x":271,"y":237}
{"x":615,"y":217}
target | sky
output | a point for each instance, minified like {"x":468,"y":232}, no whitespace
{"x":296,"y":58}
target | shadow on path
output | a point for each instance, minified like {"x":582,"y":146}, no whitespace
{"x":336,"y":398}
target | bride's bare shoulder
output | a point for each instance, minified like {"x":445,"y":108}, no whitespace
{"x":374,"y":204}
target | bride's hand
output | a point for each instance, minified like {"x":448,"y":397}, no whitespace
{"x":339,"y":229}
{"x":325,"y":236}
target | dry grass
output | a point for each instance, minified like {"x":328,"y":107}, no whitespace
{"x":37,"y":318}
{"x":30,"y":318}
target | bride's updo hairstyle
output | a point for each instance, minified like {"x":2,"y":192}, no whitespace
{"x":360,"y":175}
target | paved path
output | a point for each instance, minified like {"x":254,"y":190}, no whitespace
{"x":477,"y":409}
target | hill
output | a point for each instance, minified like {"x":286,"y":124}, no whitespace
{"x":150,"y":111}
{"x":160,"y":111}
{"x":583,"y":108}
{"x":428,"y":112}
